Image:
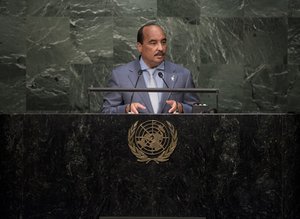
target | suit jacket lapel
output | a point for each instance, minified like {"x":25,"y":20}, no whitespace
{"x":133,"y":76}
{"x":170,"y":77}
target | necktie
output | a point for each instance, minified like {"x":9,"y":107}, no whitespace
{"x":153,"y":96}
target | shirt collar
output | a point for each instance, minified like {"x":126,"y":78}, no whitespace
{"x":144,"y":66}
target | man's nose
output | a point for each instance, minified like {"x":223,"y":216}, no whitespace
{"x":160,"y":46}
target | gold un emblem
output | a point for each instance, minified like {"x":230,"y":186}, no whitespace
{"x":152,"y":140}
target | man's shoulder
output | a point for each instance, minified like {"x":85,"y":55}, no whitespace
{"x":176,"y":67}
{"x":127,"y":66}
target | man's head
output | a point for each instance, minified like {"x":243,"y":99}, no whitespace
{"x":152,"y":44}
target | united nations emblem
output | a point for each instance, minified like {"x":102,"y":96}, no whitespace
{"x":152,"y":140}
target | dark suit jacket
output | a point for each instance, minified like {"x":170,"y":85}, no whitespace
{"x":125,"y":76}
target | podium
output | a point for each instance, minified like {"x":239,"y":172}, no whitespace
{"x":81,"y":166}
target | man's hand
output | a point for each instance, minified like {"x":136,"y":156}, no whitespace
{"x":176,"y":107}
{"x":133,"y":108}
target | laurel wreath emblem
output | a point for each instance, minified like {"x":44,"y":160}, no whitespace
{"x":142,"y":156}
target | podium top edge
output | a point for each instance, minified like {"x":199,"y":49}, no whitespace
{"x":190,"y":90}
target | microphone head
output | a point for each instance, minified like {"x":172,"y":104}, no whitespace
{"x":160,"y":74}
{"x":140,"y":72}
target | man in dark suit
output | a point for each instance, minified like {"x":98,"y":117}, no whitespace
{"x":147,"y":72}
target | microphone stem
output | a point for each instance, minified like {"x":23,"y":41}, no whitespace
{"x":140,"y":72}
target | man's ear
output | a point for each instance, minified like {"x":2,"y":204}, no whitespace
{"x":139,"y":47}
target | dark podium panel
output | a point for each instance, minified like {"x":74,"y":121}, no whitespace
{"x":80,"y":166}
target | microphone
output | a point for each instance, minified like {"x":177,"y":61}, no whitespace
{"x":161,"y":75}
{"x":140,"y":72}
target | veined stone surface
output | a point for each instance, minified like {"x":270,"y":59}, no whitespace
{"x":248,"y":49}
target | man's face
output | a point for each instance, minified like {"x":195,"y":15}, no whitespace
{"x":154,"y":46}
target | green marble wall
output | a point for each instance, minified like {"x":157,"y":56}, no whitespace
{"x":51,"y":51}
